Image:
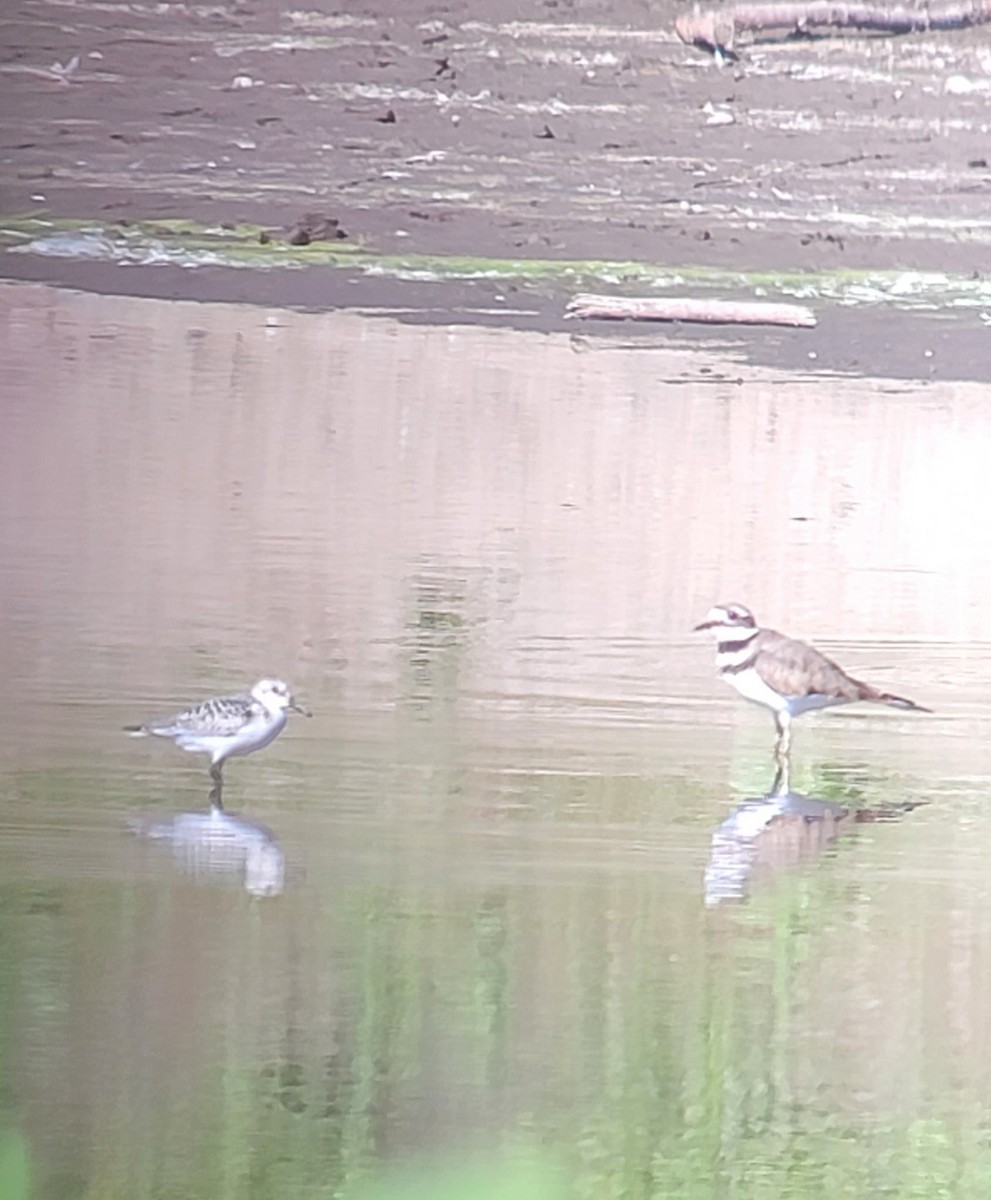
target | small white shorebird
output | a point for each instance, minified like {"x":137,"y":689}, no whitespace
{"x":227,"y":726}
{"x":785,"y":675}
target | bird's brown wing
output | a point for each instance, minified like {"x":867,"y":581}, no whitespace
{"x":794,"y":668}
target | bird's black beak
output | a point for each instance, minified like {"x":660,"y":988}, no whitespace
{"x":705,"y":625}
{"x":305,"y":712}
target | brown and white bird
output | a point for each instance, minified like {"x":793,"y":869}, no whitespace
{"x":787,"y":676}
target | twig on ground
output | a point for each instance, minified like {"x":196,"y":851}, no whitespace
{"x":678,"y":308}
{"x":717,"y":29}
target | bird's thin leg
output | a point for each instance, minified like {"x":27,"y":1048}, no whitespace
{"x":782,"y":776}
{"x":782,"y":721}
{"x":217,"y":791}
{"x":217,"y":794}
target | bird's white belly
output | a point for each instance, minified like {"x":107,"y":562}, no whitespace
{"x":250,"y":737}
{"x":750,"y":685}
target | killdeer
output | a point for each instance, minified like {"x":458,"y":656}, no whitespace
{"x":784,"y":675}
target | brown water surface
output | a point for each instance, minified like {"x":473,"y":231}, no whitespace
{"x":477,"y":555}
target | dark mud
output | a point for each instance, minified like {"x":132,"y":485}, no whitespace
{"x":577,"y":131}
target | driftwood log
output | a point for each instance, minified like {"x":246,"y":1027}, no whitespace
{"x":717,"y":28}
{"x":674,"y":308}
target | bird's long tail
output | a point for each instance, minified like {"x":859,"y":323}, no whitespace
{"x":900,"y":702}
{"x":866,"y":692}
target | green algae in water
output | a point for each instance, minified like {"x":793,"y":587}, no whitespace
{"x":188,"y":244}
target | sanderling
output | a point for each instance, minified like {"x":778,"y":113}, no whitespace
{"x":227,"y":725}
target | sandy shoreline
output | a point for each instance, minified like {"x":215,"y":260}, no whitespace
{"x":570,"y":131}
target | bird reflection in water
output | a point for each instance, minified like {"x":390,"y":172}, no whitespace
{"x":777,"y":831}
{"x":218,"y":843}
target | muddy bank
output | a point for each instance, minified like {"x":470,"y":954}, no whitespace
{"x":573,"y":131}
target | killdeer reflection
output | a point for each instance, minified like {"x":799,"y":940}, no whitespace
{"x":784,"y":675}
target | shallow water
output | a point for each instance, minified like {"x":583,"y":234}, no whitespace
{"x":519,"y":927}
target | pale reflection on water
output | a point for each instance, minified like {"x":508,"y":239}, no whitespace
{"x":215,"y":843}
{"x":477,"y":555}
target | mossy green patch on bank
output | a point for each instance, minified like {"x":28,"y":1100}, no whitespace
{"x":185,"y":243}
